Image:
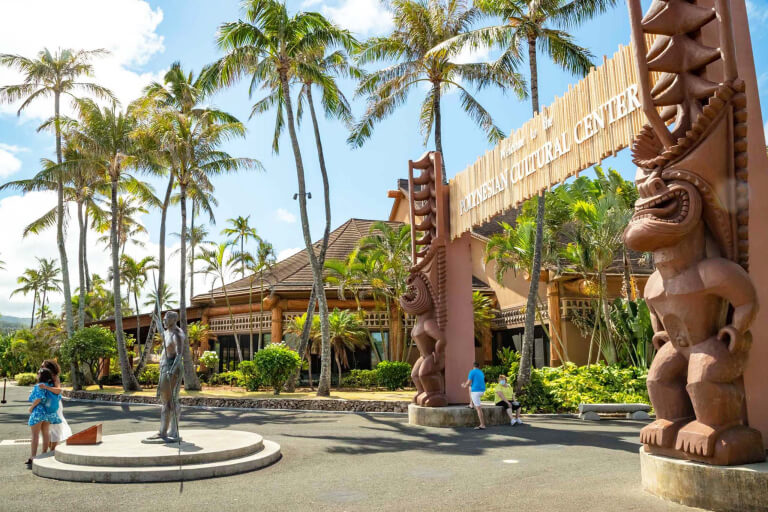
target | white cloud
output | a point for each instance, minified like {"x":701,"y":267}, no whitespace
{"x":19,"y":253}
{"x":126,"y":28}
{"x":284,"y":215}
{"x":765,"y":132}
{"x":310,"y":3}
{"x":285,"y":253}
{"x":364,"y":17}
{"x":9,"y":164}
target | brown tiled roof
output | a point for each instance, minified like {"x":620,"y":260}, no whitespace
{"x":295,"y":273}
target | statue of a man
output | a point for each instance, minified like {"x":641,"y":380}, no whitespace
{"x":171,"y":372}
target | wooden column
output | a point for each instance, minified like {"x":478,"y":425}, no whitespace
{"x":395,"y":333}
{"x":486,"y":340}
{"x":205,"y":343}
{"x":277,"y":323}
{"x":555,"y":330}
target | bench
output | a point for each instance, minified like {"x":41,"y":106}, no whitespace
{"x":633,"y":411}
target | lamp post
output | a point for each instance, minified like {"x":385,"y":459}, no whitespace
{"x":5,"y":381}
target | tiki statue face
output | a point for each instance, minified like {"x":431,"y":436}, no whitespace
{"x":666,"y":212}
{"x":418,"y":297}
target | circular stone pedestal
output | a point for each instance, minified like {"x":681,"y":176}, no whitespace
{"x":124,"y":458}
{"x":718,"y":488}
{"x":455,"y":416}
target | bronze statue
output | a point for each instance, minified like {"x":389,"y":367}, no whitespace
{"x":692,"y":214}
{"x":171,"y":373}
{"x":424,"y":297}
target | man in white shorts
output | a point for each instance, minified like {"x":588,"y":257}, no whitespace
{"x":476,"y":383}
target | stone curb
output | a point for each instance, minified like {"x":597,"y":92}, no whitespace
{"x":294,"y":404}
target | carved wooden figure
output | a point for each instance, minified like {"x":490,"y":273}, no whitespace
{"x":425,"y":296}
{"x":693,"y":214}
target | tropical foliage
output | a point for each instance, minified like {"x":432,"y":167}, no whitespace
{"x":276,"y":364}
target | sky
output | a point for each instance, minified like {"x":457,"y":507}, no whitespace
{"x":144,"y":37}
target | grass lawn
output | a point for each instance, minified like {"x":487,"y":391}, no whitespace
{"x":235,"y":392}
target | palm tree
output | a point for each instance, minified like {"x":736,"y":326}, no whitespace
{"x":240,"y":231}
{"x":56,"y":75}
{"x":202,"y":200}
{"x":529,"y":24}
{"x":296,"y":326}
{"x":483,"y":314}
{"x":196,"y":236}
{"x":134,"y":275}
{"x":420,"y":26}
{"x":30,"y":282}
{"x":166,"y":298}
{"x":197,"y":332}
{"x":48,"y":273}
{"x":105,"y":136}
{"x":129,"y":208}
{"x":347,"y":333}
{"x":261,"y":264}
{"x":219,"y":263}
{"x":387,"y":252}
{"x":268,"y":38}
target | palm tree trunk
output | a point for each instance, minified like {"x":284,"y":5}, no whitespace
{"x":191,"y":382}
{"x":438,"y":127}
{"x":192,"y":253}
{"x":34,"y":303}
{"x":610,"y":352}
{"x":42,"y":306}
{"x":524,"y":375}
{"x":129,"y":381}
{"x":85,"y":251}
{"x":261,"y":307}
{"x":138,"y":318}
{"x":149,"y":341}
{"x":232,"y":321}
{"x":630,"y":292}
{"x":81,"y":266}
{"x":250,"y":315}
{"x":60,"y":224}
{"x":324,"y":386}
{"x":338,"y":366}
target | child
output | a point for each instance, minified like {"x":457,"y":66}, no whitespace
{"x":42,"y":412}
{"x":60,"y":432}
{"x":505,"y":397}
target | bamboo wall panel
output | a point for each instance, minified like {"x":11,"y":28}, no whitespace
{"x":546,"y":150}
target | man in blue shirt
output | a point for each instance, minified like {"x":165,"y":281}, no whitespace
{"x":476,"y":383}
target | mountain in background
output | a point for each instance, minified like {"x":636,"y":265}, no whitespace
{"x":11,"y":323}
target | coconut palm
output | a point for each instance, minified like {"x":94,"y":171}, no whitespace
{"x":202,"y":201}
{"x":297,"y":326}
{"x":54,"y":75}
{"x":196,"y":333}
{"x":241,"y":232}
{"x":134,"y":275}
{"x":129,"y":209}
{"x":420,"y":26}
{"x":30,"y":283}
{"x":48,"y":273}
{"x":167,"y":300}
{"x":105,"y":137}
{"x":530,"y":26}
{"x":268,"y":38}
{"x":219,"y":263}
{"x":386,"y":254}
{"x":196,"y":236}
{"x":260,"y":264}
{"x":348,"y":333}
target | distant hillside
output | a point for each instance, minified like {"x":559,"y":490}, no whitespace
{"x":11,"y":323}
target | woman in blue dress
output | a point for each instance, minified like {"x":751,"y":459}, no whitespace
{"x":43,"y":412}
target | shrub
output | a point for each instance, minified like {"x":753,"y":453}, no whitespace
{"x":211,"y":360}
{"x":361,"y":379}
{"x":229,"y":378}
{"x":150,"y":376}
{"x":562,"y":389}
{"x":492,"y":372}
{"x":113,"y":379}
{"x":87,"y":346}
{"x":276,"y":364}
{"x":393,"y":374}
{"x":251,"y":377}
{"x":26,"y":379}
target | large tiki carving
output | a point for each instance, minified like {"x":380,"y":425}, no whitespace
{"x":693,"y":214}
{"x":425,"y":296}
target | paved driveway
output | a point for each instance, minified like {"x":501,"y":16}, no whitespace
{"x":356,"y":462}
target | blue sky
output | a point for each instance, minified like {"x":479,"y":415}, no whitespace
{"x":145,"y":37}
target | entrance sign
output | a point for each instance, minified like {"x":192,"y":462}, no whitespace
{"x":597,"y":117}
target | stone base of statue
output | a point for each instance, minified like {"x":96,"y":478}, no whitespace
{"x":455,"y":416}
{"x":718,"y":488}
{"x":125,"y":458}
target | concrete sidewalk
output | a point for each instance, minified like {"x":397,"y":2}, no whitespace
{"x":357,"y":462}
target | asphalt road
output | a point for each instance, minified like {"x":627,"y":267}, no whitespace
{"x":343,"y":462}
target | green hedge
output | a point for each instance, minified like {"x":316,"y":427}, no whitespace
{"x":276,"y":363}
{"x":150,"y":376}
{"x":361,"y":379}
{"x":252,"y":381}
{"x":234,"y":378}
{"x":25,"y":379}
{"x":562,"y":389}
{"x":393,"y":374}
